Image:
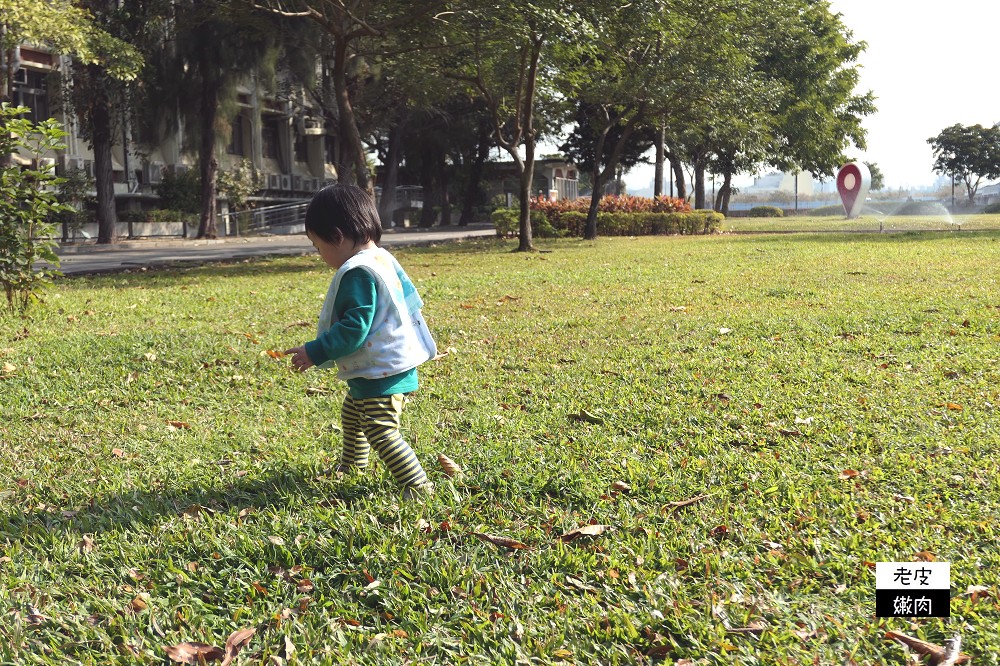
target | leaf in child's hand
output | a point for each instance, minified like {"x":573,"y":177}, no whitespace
{"x":275,"y":354}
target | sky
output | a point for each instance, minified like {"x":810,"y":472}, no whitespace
{"x":929,"y":65}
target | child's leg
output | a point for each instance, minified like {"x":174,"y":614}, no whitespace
{"x":381,"y":426}
{"x":356,"y":448}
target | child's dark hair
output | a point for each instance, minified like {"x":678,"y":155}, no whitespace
{"x":343,"y":211}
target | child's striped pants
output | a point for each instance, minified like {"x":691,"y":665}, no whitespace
{"x":374,"y":423}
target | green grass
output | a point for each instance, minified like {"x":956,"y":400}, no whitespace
{"x":864,"y":223}
{"x":751,"y":369}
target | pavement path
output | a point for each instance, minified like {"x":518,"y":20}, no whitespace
{"x":86,"y":259}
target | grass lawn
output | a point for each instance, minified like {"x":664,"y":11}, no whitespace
{"x":831,"y":399}
{"x":867,"y":223}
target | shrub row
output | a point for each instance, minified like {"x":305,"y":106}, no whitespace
{"x":766,"y":211}
{"x":571,"y":223}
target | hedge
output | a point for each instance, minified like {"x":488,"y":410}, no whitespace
{"x":571,"y":223}
{"x":766,"y":211}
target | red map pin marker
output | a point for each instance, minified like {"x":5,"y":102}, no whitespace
{"x":853,"y":182}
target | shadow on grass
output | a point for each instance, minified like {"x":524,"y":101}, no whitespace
{"x":169,"y":275}
{"x":149,"y":507}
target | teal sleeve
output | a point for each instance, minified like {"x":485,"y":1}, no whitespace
{"x":355,"y":309}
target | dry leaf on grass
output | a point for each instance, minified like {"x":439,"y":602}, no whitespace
{"x":585,"y":530}
{"x":194,"y":653}
{"x":449,"y":466}
{"x":848,"y":474}
{"x":935,"y":654}
{"x":688,"y":502}
{"x":504,"y":542}
{"x":236,"y":642}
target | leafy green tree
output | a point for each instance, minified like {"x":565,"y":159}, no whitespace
{"x":508,"y":48}
{"x":968,"y":153}
{"x":357,"y":30}
{"x":878,"y":179}
{"x":811,"y":60}
{"x":64,"y":27}
{"x":28,"y":203}
{"x":210,"y":46}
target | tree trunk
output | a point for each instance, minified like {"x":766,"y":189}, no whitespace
{"x":699,"y":184}
{"x":430,"y":195}
{"x":658,"y":172}
{"x":444,"y":196}
{"x":725,"y":193}
{"x":475,"y":173}
{"x":101,"y":133}
{"x":524,"y":192}
{"x":349,"y":134}
{"x":387,"y":201}
{"x":678,"y":169}
{"x":206,"y":153}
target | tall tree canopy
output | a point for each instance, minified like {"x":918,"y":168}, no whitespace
{"x":968,"y":153}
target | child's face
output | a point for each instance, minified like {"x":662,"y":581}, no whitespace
{"x":334,"y":254}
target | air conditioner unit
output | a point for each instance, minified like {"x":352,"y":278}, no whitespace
{"x":273,"y":181}
{"x":70,"y":164}
{"x":297,"y":183}
{"x":21,"y":76}
{"x":180,"y":169}
{"x":315,"y":184}
{"x":88,"y":167}
{"x":152,"y":172}
{"x":286,"y":182}
{"x":47,"y":164}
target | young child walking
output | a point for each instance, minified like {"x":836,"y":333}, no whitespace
{"x":371,"y":328}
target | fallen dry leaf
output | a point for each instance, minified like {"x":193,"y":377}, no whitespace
{"x":585,"y":530}
{"x":194,"y":653}
{"x":449,"y":466}
{"x":620,"y":487}
{"x":688,"y":502}
{"x":179,"y":425}
{"x":304,"y":586}
{"x":756,"y":627}
{"x":275,"y":354}
{"x":87,"y":544}
{"x":955,"y":407}
{"x":925,"y":556}
{"x":848,"y":474}
{"x":580,"y":585}
{"x":935,"y":654}
{"x":9,"y":368}
{"x":236,"y":642}
{"x":500,"y":541}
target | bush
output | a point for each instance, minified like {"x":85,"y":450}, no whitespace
{"x":507,"y":222}
{"x":180,"y":191}
{"x":992,"y":209}
{"x":826,"y":211}
{"x":766,"y":211}
{"x":27,"y":205}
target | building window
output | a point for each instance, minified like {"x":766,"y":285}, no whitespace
{"x":235,"y":146}
{"x":31,"y":90}
{"x":269,"y":130}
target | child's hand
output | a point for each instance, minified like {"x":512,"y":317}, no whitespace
{"x":300,"y":359}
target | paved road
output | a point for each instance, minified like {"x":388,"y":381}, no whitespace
{"x":89,"y":259}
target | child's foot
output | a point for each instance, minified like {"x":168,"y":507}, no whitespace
{"x":418,"y":492}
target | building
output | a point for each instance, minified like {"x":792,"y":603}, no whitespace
{"x":283,"y":138}
{"x":782,"y":182}
{"x":554,"y":177}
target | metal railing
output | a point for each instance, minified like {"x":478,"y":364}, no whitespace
{"x":280,"y":219}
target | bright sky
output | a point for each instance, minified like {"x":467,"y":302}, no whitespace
{"x":930,"y":66}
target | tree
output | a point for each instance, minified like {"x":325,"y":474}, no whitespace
{"x":348,"y":25}
{"x":878,"y":179}
{"x":212,"y":46}
{"x":967,"y":153}
{"x":65,"y":28}
{"x":811,"y":61}
{"x":27,"y":203}
{"x":509,"y":46}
